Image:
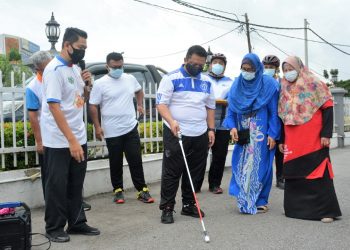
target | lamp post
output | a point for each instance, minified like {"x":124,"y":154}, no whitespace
{"x":52,"y":33}
{"x":209,"y":56}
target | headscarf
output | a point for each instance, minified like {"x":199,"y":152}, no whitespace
{"x":247,"y":96}
{"x":300,"y":100}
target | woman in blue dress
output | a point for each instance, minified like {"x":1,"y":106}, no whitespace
{"x":253,"y":120}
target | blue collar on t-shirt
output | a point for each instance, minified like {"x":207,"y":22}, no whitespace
{"x":65,"y":63}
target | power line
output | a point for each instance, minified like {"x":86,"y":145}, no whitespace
{"x":182,"y":51}
{"x":299,"y":38}
{"x":275,"y":46}
{"x":178,"y":11}
{"x":330,"y":44}
{"x":268,"y":41}
{"x":189,"y":5}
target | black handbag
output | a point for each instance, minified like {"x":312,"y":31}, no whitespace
{"x":243,"y":136}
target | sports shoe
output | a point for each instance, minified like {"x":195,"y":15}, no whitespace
{"x":327,"y":220}
{"x":119,"y":196}
{"x":216,"y":190}
{"x":167,"y":215}
{"x":59,"y":237}
{"x":190,"y":209}
{"x":86,"y":206}
{"x":83,"y":229}
{"x":144,"y":196}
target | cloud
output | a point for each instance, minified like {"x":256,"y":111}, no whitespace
{"x":142,"y":31}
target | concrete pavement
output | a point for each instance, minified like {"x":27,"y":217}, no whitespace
{"x":135,"y":225}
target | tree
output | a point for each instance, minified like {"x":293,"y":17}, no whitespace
{"x":325,"y":74}
{"x":334,"y":73}
{"x":14,"y":55}
{"x":6,"y":68}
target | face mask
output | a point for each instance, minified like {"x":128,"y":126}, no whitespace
{"x":116,"y":73}
{"x":217,"y":69}
{"x":77,"y":55}
{"x":291,"y":76}
{"x":193,"y":69}
{"x":269,"y":72}
{"x":248,"y":75}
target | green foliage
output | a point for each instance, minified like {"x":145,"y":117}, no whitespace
{"x":148,"y":135}
{"x":20,"y":139}
{"x":6,"y":67}
{"x":8,"y":139}
{"x":345,"y":85}
{"x":325,"y":74}
{"x":14,"y":55}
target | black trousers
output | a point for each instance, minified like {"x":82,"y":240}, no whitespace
{"x":173,"y":167}
{"x":219,"y":153}
{"x":130,"y":145}
{"x":279,"y":164}
{"x":63,"y":189}
{"x":42,"y":172}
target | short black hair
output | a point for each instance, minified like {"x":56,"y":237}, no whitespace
{"x":114,"y":56}
{"x":72,"y":35}
{"x":198,"y":50}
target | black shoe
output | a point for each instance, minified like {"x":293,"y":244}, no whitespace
{"x":280,"y":184}
{"x":83,"y":229}
{"x":86,"y":206}
{"x":190,"y":209}
{"x":216,"y":190}
{"x":59,"y":237}
{"x":167,"y":215}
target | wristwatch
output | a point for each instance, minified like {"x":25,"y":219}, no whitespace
{"x":211,"y":129}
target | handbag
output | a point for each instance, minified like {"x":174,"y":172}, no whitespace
{"x":244,"y":134}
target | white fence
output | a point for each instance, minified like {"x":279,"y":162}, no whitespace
{"x":16,"y":148}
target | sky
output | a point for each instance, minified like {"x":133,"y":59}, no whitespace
{"x":145,"y":34}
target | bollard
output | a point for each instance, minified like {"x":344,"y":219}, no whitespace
{"x":338,"y":95}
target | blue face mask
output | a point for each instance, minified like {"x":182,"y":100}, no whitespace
{"x":269,"y":72}
{"x":291,"y":76}
{"x":116,"y":73}
{"x":248,"y":76}
{"x":217,"y":69}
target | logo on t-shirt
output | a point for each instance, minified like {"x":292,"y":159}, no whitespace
{"x":204,"y":86}
{"x":71,"y":80}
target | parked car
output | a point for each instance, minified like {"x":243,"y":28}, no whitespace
{"x":146,"y":75}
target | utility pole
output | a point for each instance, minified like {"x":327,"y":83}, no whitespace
{"x":248,"y":32}
{"x":306,"y":46}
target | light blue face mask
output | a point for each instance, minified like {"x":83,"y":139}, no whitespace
{"x":291,"y":76}
{"x":269,"y":72}
{"x":217,"y":69}
{"x":116,"y":73}
{"x":248,"y":76}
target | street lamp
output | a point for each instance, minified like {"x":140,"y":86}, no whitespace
{"x":53,"y":33}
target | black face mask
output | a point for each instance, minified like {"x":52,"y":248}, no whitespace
{"x":77,"y":55}
{"x":194,"y":69}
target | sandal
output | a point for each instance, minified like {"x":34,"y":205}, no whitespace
{"x":262,"y":209}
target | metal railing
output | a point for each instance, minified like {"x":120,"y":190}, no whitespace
{"x":14,"y":124}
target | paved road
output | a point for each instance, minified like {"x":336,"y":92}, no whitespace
{"x":134,"y":225}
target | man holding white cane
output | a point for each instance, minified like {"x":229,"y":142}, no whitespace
{"x":186,"y":101}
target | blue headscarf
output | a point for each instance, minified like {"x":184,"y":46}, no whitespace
{"x":246,"y":96}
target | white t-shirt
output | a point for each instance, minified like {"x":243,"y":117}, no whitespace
{"x":221,"y":87}
{"x":187,"y":99}
{"x":62,"y":83}
{"x":115,"y":97}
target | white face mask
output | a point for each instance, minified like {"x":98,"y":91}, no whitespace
{"x":269,"y":72}
{"x":291,"y":76}
{"x":248,"y":76}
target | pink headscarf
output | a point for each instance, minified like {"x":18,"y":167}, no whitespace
{"x":300,"y":100}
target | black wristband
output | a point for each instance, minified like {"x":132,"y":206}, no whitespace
{"x":211,"y":129}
